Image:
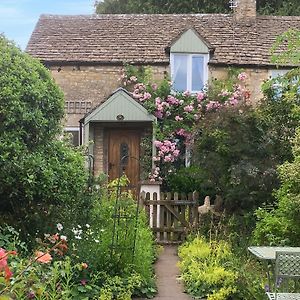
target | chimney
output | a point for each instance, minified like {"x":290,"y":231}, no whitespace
{"x":245,"y":11}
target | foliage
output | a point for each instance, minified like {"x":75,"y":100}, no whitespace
{"x":286,"y":7}
{"x":117,"y":248}
{"x":95,"y":268}
{"x":281,"y":225}
{"x":189,"y":179}
{"x":178,"y":112}
{"x":231,"y":149}
{"x":291,"y":55}
{"x":234,"y":230}
{"x":280,"y":112}
{"x":37,"y":169}
{"x":205,"y":269}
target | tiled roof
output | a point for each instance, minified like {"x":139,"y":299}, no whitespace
{"x":144,"y":38}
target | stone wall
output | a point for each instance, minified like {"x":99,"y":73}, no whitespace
{"x":256,"y":76}
{"x":86,"y":86}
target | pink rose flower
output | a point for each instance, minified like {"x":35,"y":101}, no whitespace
{"x":200,"y":96}
{"x":242,"y":76}
{"x":178,"y":118}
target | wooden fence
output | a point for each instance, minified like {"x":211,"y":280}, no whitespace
{"x":171,"y":216}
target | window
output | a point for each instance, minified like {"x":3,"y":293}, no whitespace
{"x":73,"y":134}
{"x":277,"y":72}
{"x":189,"y":71}
{"x":77,"y":107}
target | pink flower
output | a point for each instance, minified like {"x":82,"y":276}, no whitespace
{"x":188,"y":108}
{"x":200,"y":96}
{"x":158,"y":144}
{"x":154,"y":86}
{"x":146,"y":96}
{"x":42,"y":257}
{"x":83,"y":282}
{"x":242,"y":76}
{"x":3,"y":258}
{"x":133,"y":79}
{"x":159,"y":114}
{"x":172,"y":100}
{"x":213,"y":105}
{"x":186,"y":93}
{"x":181,"y":132}
{"x":176,"y":152}
{"x":178,"y":118}
{"x":168,"y":158}
{"x":140,"y":86}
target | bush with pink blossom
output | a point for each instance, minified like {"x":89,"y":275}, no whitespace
{"x":178,"y":113}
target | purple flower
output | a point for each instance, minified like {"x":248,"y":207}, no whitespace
{"x":31,"y":295}
{"x":267,"y":288}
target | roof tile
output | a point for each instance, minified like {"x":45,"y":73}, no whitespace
{"x":144,"y":38}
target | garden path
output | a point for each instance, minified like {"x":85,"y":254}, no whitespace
{"x":169,"y":288}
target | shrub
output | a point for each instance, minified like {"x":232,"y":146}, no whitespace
{"x":190,"y":179}
{"x":205,"y":269}
{"x":117,"y":247}
{"x":281,"y":225}
{"x":231,"y":149}
{"x":279,"y":111}
{"x":37,"y":169}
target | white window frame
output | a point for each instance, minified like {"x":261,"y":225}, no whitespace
{"x":71,"y":129}
{"x":273,"y":73}
{"x":189,"y":68}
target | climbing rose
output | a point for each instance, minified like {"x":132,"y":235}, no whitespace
{"x":242,"y":76}
{"x":178,"y":118}
{"x":200,"y":96}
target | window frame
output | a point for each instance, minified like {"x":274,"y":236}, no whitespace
{"x":190,"y":69}
{"x":73,"y":129}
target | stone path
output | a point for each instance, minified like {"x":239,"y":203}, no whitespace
{"x":167,"y":272}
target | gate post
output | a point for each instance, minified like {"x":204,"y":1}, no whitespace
{"x":153,"y":188}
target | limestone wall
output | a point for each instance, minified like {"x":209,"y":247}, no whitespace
{"x":256,"y":76}
{"x":86,"y":86}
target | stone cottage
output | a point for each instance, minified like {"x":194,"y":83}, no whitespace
{"x":86,"y":55}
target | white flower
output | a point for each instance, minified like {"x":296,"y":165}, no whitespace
{"x":97,"y":241}
{"x":87,"y":225}
{"x":63,"y":238}
{"x":59,"y":227}
{"x":78,"y":237}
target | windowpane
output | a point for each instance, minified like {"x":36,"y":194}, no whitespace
{"x":180,"y":73}
{"x":73,"y":136}
{"x":197,"y":73}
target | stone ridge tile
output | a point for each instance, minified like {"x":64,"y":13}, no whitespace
{"x":144,"y":38}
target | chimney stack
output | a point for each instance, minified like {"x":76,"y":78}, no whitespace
{"x":245,"y":11}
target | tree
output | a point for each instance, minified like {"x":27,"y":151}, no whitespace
{"x":291,"y":53}
{"x":275,"y":7}
{"x":37,"y":169}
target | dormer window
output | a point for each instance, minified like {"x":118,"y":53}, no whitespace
{"x":189,"y":71}
{"x":189,"y":55}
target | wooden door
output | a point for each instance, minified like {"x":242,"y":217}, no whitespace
{"x":124,"y":154}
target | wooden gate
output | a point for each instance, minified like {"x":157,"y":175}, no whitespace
{"x":171,"y":216}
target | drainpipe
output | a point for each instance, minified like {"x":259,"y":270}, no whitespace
{"x":81,"y":121}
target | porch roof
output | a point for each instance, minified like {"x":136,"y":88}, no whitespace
{"x":119,"y":107}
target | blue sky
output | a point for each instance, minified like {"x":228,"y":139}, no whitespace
{"x":18,"y":17}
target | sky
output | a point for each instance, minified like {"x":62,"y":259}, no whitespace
{"x":18,"y":17}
